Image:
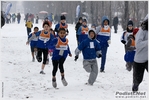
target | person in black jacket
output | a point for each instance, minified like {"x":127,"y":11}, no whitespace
{"x":18,"y":18}
{"x":79,"y":23}
{"x":115,"y":23}
{"x":2,"y":19}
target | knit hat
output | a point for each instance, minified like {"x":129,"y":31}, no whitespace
{"x":63,"y":17}
{"x":135,"y":31}
{"x":130,"y":23}
{"x":80,"y":18}
{"x":144,"y":24}
{"x":84,"y":20}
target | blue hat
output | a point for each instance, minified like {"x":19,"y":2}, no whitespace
{"x":93,"y":25}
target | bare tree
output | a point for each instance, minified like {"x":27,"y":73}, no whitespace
{"x":125,"y":16}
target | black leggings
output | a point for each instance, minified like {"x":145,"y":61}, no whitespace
{"x":39,"y":55}
{"x":138,"y":72}
{"x":56,"y":64}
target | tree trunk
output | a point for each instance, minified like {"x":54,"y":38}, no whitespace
{"x":92,"y":12}
{"x":125,"y":16}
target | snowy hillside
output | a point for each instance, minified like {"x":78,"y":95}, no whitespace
{"x":20,"y":76}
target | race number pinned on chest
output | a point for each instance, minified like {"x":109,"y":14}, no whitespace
{"x":61,"y":52}
{"x":91,"y":44}
{"x":45,"y":40}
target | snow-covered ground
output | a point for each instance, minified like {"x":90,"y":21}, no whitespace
{"x":20,"y":78}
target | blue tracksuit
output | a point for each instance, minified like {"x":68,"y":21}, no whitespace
{"x":44,"y":39}
{"x":129,"y":56}
{"x":83,"y":33}
{"x":61,"y":25}
{"x":89,"y":48}
{"x":33,"y":42}
{"x":103,"y":36}
{"x":62,"y":51}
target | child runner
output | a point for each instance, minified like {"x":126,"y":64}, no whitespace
{"x":47,"y":20}
{"x":125,"y":35}
{"x":29,"y":26}
{"x":79,"y":23}
{"x":83,"y":31}
{"x":130,"y":50}
{"x":44,"y":39}
{"x":33,"y":42}
{"x":90,"y":49}
{"x":61,"y":50}
{"x":62,"y":24}
{"x":104,"y":36}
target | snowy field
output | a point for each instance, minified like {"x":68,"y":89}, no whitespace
{"x":20,"y":78}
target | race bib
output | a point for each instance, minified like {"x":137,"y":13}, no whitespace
{"x":91,"y":44}
{"x":61,"y":52}
{"x":45,"y":40}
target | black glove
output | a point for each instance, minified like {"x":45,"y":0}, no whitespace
{"x":123,"y":41}
{"x":76,"y":57}
{"x":100,"y":55}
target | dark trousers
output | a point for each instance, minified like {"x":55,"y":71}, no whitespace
{"x":77,"y":37}
{"x":115,"y":28}
{"x":56,"y":64}
{"x":39,"y":55}
{"x":103,"y":59}
{"x":18,"y":21}
{"x":138,"y":72}
{"x":28,"y":31}
{"x":36,"y":21}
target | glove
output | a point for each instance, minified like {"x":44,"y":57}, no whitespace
{"x":123,"y":41}
{"x":100,"y":55}
{"x":76,"y":57}
{"x":109,"y":41}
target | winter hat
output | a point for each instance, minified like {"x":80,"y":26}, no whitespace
{"x":93,"y":25}
{"x":80,"y":18}
{"x":130,"y":23}
{"x":144,"y":24}
{"x":135,"y":31}
{"x":84,"y":20}
{"x":46,"y":18}
{"x":63,"y":17}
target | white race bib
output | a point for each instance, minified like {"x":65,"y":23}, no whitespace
{"x":91,"y":44}
{"x":61,"y":52}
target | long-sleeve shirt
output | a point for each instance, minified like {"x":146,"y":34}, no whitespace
{"x":141,"y":55}
{"x":62,"y":51}
{"x":44,"y":39}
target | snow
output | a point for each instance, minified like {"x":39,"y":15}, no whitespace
{"x":21,"y":79}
